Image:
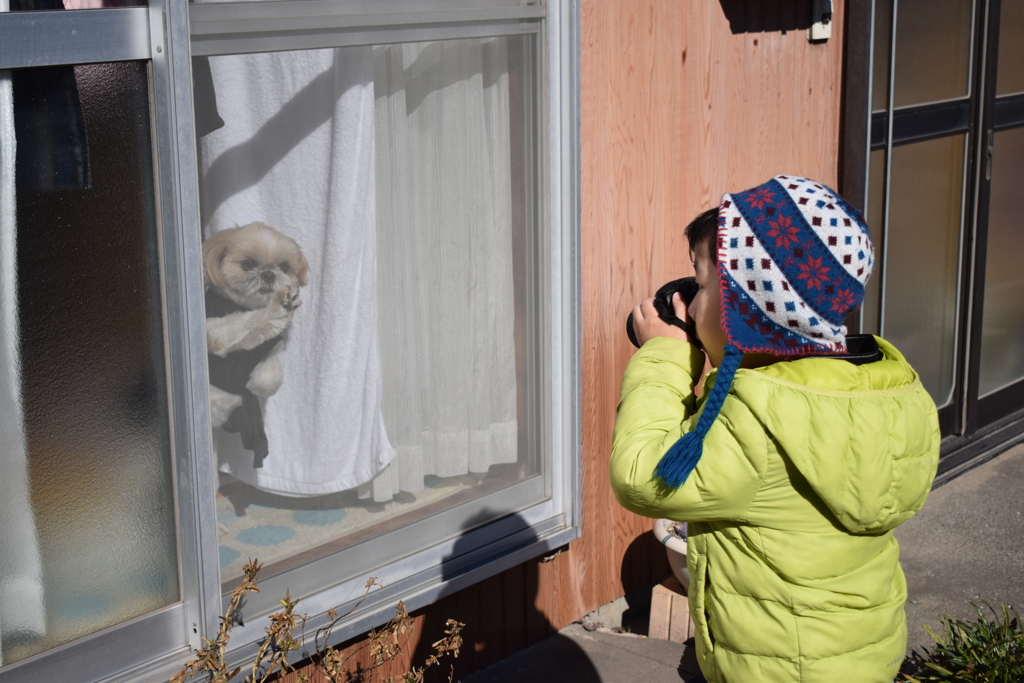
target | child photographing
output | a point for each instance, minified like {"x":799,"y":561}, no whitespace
{"x":805,"y":452}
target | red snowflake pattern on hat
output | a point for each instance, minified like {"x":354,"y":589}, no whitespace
{"x":844,"y":300}
{"x":793,"y":259}
{"x":814,"y":272}
{"x":784,"y":232}
{"x":762,"y":196}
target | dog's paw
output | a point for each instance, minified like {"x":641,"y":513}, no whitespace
{"x":277,"y":315}
{"x":267,"y":376}
{"x":279,"y":305}
{"x":288,"y":298}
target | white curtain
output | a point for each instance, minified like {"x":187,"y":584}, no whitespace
{"x":444,"y":259}
{"x":21,"y":584}
{"x":296,"y":153}
{"x":409,"y":310}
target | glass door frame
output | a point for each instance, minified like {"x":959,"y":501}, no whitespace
{"x":998,"y":114}
{"x":974,"y":429}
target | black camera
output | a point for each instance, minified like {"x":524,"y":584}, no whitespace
{"x":687,"y":288}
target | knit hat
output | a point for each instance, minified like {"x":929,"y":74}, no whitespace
{"x":793,"y":258}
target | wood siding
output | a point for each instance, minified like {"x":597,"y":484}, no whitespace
{"x":676,"y":109}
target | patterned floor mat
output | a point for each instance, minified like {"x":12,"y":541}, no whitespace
{"x":255,"y":524}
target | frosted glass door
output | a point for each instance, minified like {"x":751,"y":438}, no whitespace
{"x":926,"y":194}
{"x":86,"y":499}
{"x":1002,"y":336}
{"x":1010,"y":78}
{"x":933,"y":51}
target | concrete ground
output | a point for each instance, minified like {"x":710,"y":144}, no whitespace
{"x":574,"y":655}
{"x":966,"y":544}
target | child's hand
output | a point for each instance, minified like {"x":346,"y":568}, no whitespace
{"x":647,"y":324}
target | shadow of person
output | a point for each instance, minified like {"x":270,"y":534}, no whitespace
{"x":501,"y":615}
{"x":643,"y":564}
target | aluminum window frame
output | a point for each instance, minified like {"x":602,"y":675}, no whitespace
{"x":421,"y":577}
{"x":153,"y":646}
{"x":245,"y":27}
{"x":55,"y":38}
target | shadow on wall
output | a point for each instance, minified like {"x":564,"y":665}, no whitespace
{"x":767,"y":16}
{"x":646,"y":556}
{"x":501,"y":618}
{"x":643,"y":563}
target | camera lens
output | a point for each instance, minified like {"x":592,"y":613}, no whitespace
{"x":687,"y":288}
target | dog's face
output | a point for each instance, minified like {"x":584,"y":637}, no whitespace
{"x":250,"y":263}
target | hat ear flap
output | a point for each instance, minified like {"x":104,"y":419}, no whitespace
{"x":681,"y":459}
{"x":214,"y":251}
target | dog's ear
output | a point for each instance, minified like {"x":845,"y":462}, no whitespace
{"x":303,"y":269}
{"x":214,"y":251}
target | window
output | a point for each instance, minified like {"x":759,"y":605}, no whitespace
{"x":402,"y":389}
{"x":408,"y":176}
{"x":86,"y":450}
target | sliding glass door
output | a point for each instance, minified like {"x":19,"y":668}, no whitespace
{"x":996,"y":379}
{"x":940,"y":178}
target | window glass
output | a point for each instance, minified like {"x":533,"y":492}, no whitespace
{"x":1002,"y":353}
{"x":933,"y":50}
{"x":876,"y":222}
{"x":1010,"y":69}
{"x":926,"y":187}
{"x":368,"y":237}
{"x":880,"y":52}
{"x":85,"y":478}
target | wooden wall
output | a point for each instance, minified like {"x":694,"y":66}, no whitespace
{"x":676,"y":109}
{"x":682,"y":100}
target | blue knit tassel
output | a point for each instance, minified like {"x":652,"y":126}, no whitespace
{"x":682,"y":457}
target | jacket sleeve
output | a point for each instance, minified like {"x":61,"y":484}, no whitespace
{"x":656,"y":406}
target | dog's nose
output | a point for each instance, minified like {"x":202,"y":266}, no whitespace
{"x":267,"y":276}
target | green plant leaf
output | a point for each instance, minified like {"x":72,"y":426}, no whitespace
{"x":936,"y":667}
{"x":989,"y":648}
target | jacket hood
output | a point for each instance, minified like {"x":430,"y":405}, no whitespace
{"x":865,"y":437}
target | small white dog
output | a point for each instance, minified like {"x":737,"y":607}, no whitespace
{"x":253,"y":274}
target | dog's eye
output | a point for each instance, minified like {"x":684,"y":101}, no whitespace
{"x":248,"y":264}
{"x":284,"y":266}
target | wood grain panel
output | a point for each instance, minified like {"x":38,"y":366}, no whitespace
{"x":676,"y":109}
{"x":629,"y":244}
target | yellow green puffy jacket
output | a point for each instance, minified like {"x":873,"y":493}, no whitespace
{"x":809,"y":467}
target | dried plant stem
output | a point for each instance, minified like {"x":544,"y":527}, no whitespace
{"x":385,"y":644}
{"x":212,"y":657}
